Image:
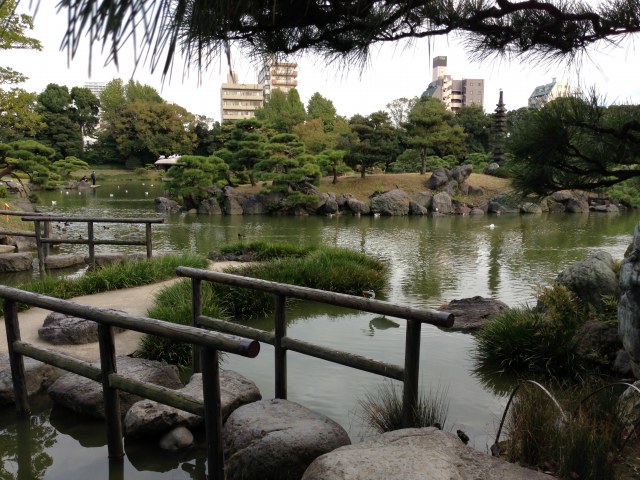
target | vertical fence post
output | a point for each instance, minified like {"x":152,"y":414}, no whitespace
{"x":212,"y":413}
{"x":148,"y":239}
{"x":280,"y":352}
{"x":111,"y":398}
{"x":411,"y":371}
{"x":17,"y":362}
{"x":196,"y":311}
{"x":39,"y":247}
{"x":92,"y":248}
{"x":46,"y":234}
{"x":25,"y":459}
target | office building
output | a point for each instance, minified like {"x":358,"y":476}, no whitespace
{"x":276,"y":75}
{"x":543,"y":94}
{"x":455,"y":94}
{"x":239,"y":101}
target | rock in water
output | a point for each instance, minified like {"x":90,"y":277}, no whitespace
{"x":629,"y":305}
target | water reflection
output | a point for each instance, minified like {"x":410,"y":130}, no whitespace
{"x":23,"y":446}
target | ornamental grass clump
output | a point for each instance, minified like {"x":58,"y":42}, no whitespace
{"x":382,"y":409}
{"x":537,"y":339}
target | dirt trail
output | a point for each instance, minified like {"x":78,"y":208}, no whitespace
{"x":135,"y":301}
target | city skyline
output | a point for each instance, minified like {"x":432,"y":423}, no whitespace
{"x":393,"y":71}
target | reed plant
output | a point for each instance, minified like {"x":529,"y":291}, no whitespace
{"x":382,"y":409}
{"x":585,"y":446}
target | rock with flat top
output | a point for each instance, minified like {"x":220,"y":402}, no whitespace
{"x":54,"y":262}
{"x":473,"y":313}
{"x":415,"y":454}
{"x":39,"y":376}
{"x":15,"y":262}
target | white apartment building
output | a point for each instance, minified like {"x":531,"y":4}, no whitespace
{"x":455,"y":94}
{"x":239,"y":101}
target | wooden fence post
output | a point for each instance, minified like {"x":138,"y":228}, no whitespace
{"x":113,"y":419}
{"x":213,"y":413}
{"x":92,"y":247}
{"x":148,"y":239}
{"x":46,"y":234}
{"x":39,"y":247}
{"x":196,"y":311}
{"x":16,"y":360}
{"x":411,"y":371}
{"x":280,"y":351}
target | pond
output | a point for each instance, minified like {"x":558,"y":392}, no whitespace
{"x":431,"y":261}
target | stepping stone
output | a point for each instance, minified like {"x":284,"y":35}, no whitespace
{"x":277,"y":440}
{"x":15,"y":262}
{"x":54,"y":262}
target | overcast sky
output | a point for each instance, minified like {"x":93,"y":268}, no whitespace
{"x":394,"y":71}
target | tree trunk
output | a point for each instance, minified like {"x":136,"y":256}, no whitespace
{"x":423,"y":163}
{"x":252,"y":179}
{"x":362,"y":170}
{"x":335,"y":175}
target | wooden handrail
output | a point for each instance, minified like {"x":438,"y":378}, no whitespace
{"x":210,"y":343}
{"x":409,"y":374}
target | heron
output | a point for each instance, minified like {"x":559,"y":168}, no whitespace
{"x":53,"y":203}
{"x":111,"y":195}
{"x":146,"y":194}
{"x":492,"y":226}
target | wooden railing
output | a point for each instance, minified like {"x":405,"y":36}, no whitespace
{"x":409,"y":375}
{"x":210,"y":343}
{"x":42,"y":227}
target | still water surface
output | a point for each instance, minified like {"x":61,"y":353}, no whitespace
{"x":431,"y":261}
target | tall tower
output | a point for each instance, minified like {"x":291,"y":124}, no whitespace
{"x":499,"y":131}
{"x":278,"y":75}
{"x":439,"y":67}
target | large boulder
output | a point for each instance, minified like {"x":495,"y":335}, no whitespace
{"x":629,"y":304}
{"x":357,"y":207}
{"x":591,"y":279}
{"x":62,"y":329}
{"x":166,"y":205}
{"x":84,"y":396}
{"x":54,"y":262}
{"x":438,"y":178}
{"x":15,"y":262}
{"x":394,"y":202}
{"x":600,"y":343}
{"x":329,"y":205}
{"x":412,"y":454}
{"x":277,"y":440}
{"x":232,"y":201}
{"x":209,"y":206}
{"x":461,"y":173}
{"x":473,"y":313}
{"x":38,"y":375}
{"x":255,"y":205}
{"x":148,"y":418}
{"x":441,"y":203}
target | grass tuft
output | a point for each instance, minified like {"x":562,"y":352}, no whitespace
{"x":382,"y":410}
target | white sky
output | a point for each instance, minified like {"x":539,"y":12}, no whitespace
{"x":394,"y":71}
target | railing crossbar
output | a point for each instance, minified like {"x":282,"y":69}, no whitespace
{"x":433,"y":317}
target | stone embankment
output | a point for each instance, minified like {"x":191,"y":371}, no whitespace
{"x":440,"y":197}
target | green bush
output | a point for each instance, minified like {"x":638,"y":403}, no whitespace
{"x":332,"y":269}
{"x":4,"y":192}
{"x":299,"y":199}
{"x":627,"y":192}
{"x":535,"y":340}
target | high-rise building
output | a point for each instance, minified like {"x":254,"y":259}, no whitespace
{"x":95,"y":87}
{"x":543,"y":94}
{"x":239,"y":101}
{"x":455,"y":94}
{"x":276,"y":75}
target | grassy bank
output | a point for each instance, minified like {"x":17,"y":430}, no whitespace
{"x":113,"y":277}
{"x":364,"y":188}
{"x":332,"y":269}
